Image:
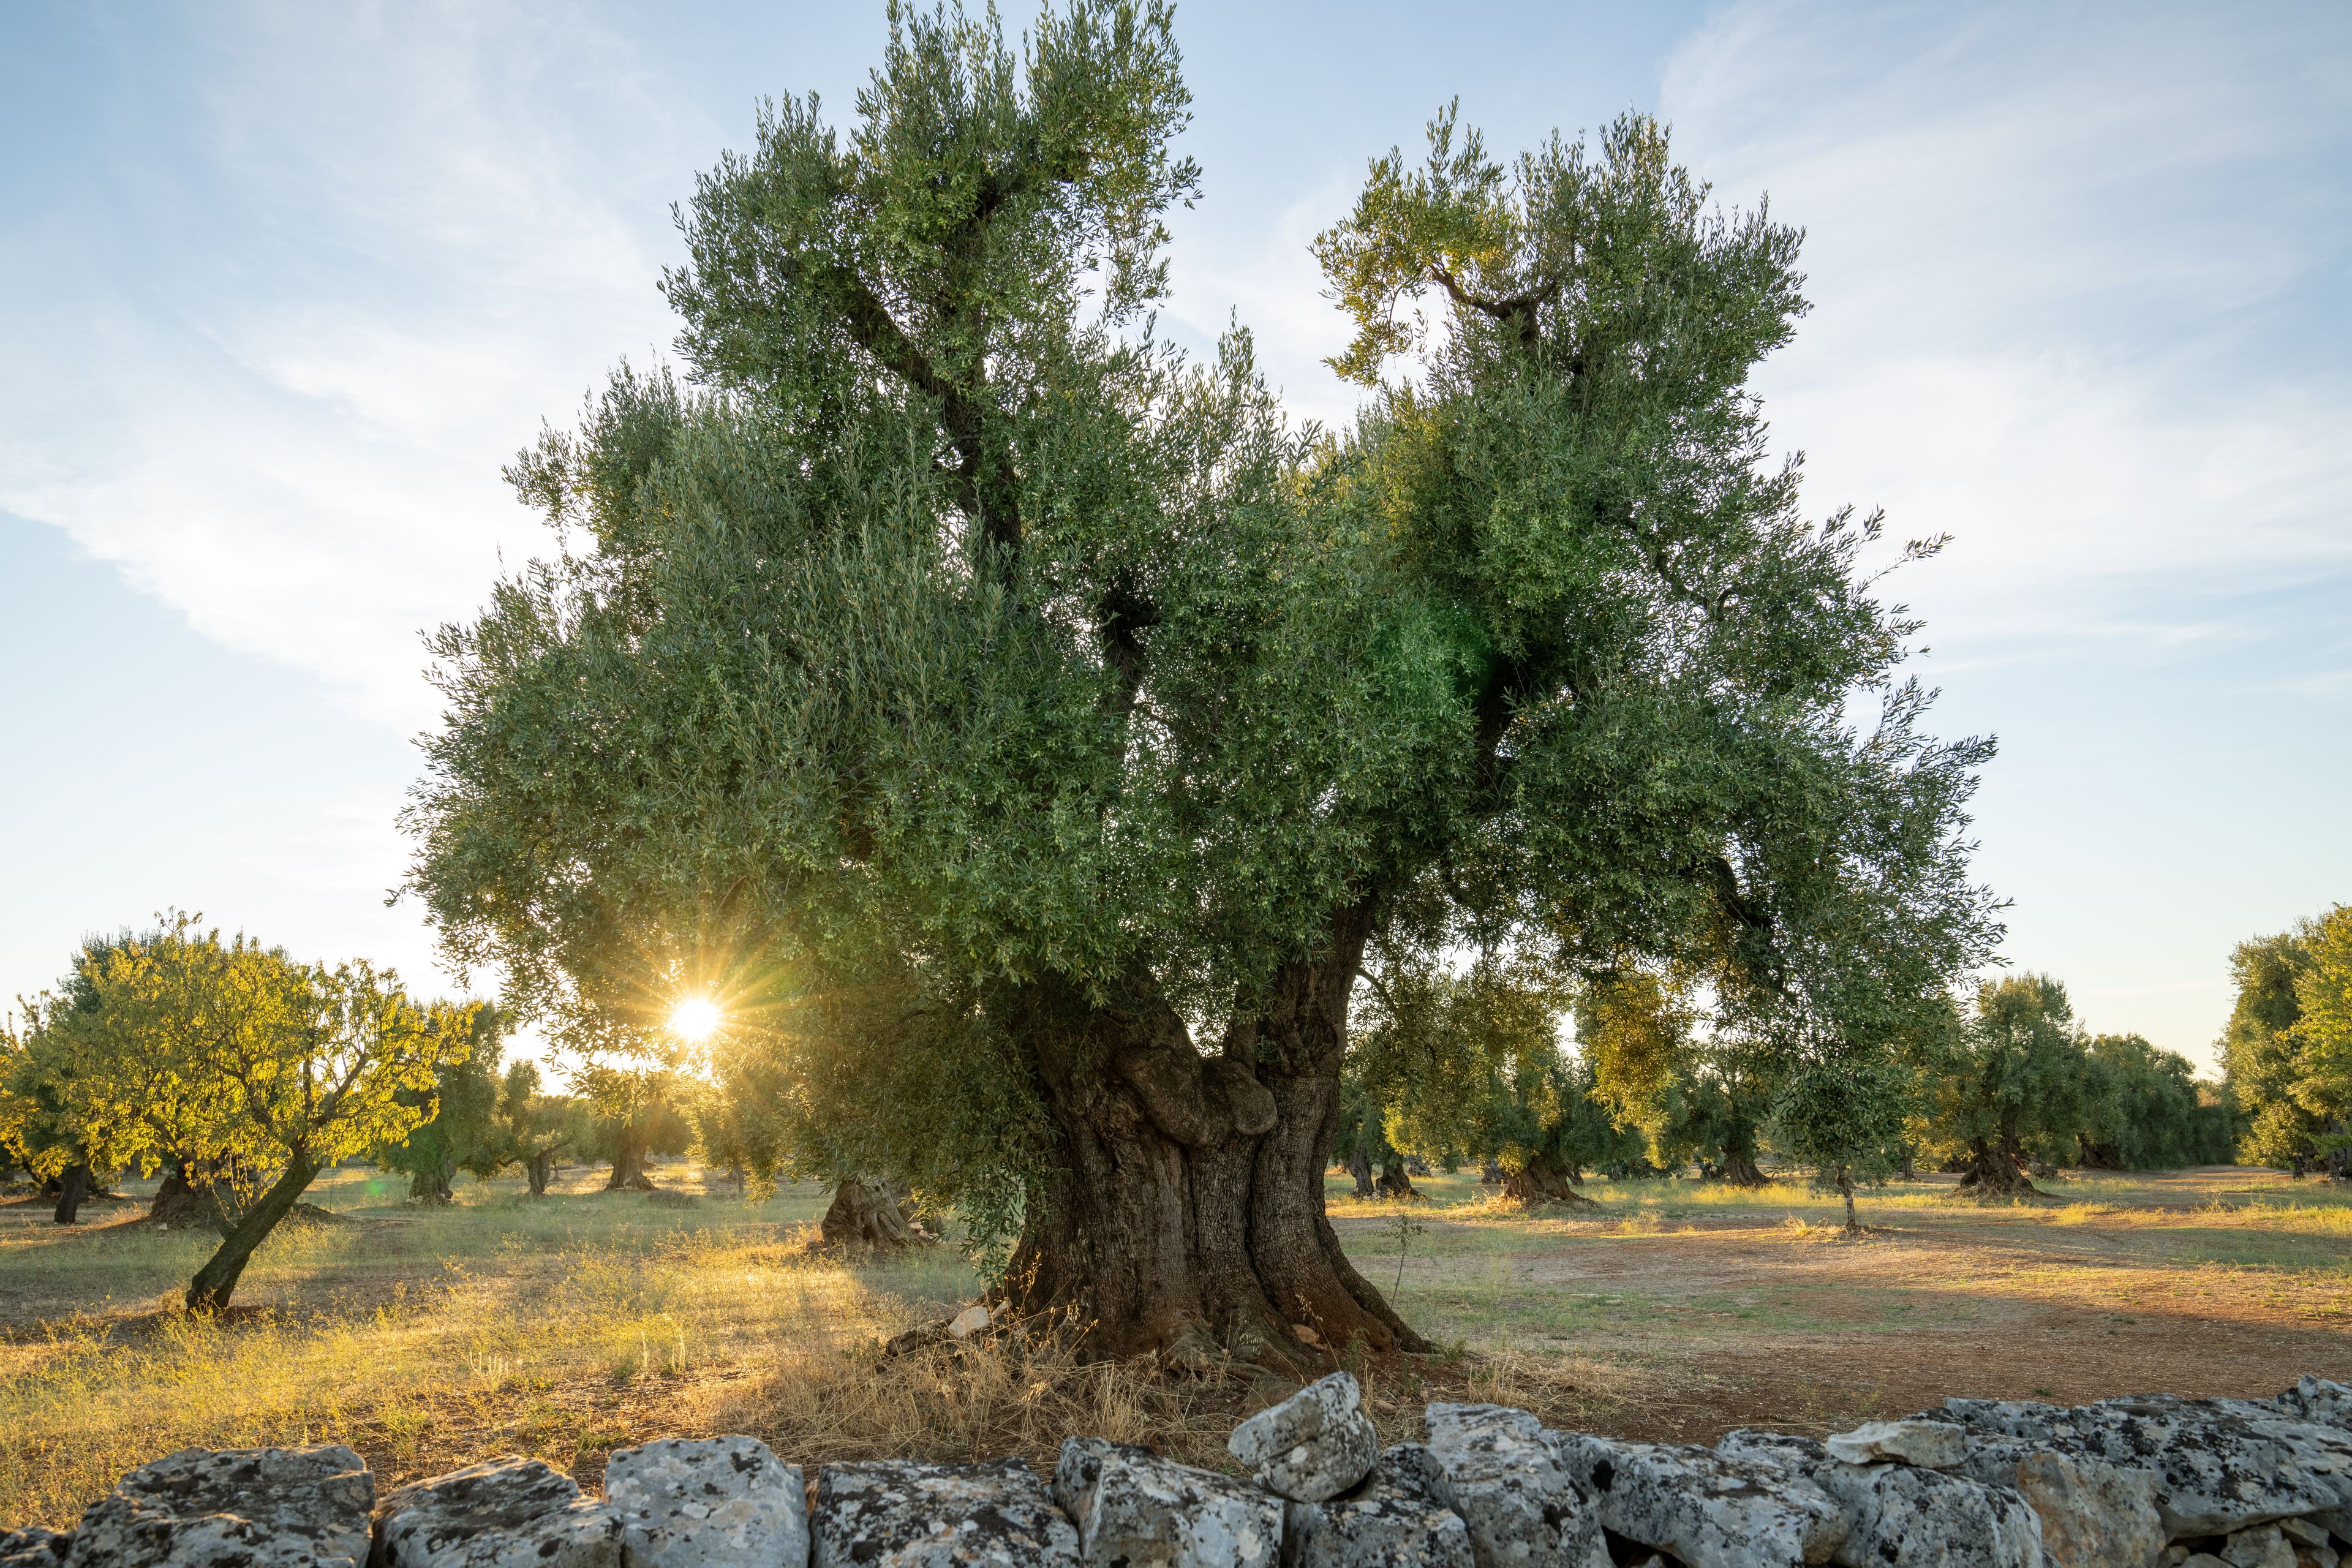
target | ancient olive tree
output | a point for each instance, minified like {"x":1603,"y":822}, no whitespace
{"x":1021,"y":732}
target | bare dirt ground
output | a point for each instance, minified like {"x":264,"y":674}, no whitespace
{"x":565,"y":1326}
{"x":1760,"y":1314}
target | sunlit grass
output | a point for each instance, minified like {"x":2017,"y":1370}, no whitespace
{"x":565,"y":1327}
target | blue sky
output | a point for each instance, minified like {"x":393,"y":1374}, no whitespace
{"x":284,"y":285}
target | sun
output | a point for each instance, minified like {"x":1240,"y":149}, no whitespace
{"x":696,"y":1018}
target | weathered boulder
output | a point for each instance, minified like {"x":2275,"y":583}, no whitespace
{"x":1905,"y":1516}
{"x":501,"y":1513}
{"x":1934,"y":1444}
{"x":2317,"y":1399}
{"x":257,"y":1508}
{"x":2219,"y":1466}
{"x":1711,"y":1509}
{"x":1503,"y":1473}
{"x":2264,"y":1547}
{"x":903,"y":1513}
{"x":1132,"y":1506}
{"x":33,"y":1547}
{"x":1395,"y":1518}
{"x":1314,"y":1445}
{"x":709,"y":1503}
{"x":2094,"y":1514}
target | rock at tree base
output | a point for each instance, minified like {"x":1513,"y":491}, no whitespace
{"x":33,"y":1547}
{"x":1934,"y":1445}
{"x":716,"y":1502}
{"x":1313,"y":1446}
{"x":1394,"y":1519}
{"x":1502,"y":1472}
{"x":1905,"y":1516}
{"x":257,"y":1508}
{"x":1710,"y":1509}
{"x":1134,"y":1508}
{"x":902,"y":1513}
{"x":501,"y":1513}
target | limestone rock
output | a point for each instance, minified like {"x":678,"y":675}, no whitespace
{"x":2094,"y":1514}
{"x":713,"y":1502}
{"x":1394,"y":1519}
{"x":903,"y":1513}
{"x":501,"y":1513}
{"x":1905,"y":1516}
{"x":2264,"y":1547}
{"x":1711,"y":1509}
{"x":2003,"y":1418}
{"x":33,"y":1547}
{"x":1898,"y":1515}
{"x":2218,"y":1465}
{"x":1132,"y":1506}
{"x":1502,"y":1472}
{"x":1934,"y":1444}
{"x":257,"y":1508}
{"x":2317,"y":1399}
{"x":1314,"y":1445}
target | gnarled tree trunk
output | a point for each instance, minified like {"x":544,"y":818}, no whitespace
{"x":866,"y":1212}
{"x":629,"y":1164}
{"x":1359,"y":1165}
{"x":1395,"y":1180}
{"x":1739,"y":1168}
{"x":430,"y":1186}
{"x":1188,"y":1221}
{"x":180,"y":1200}
{"x":1542,"y":1180}
{"x":1993,"y":1172}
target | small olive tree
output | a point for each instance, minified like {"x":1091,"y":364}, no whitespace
{"x":272,"y":1070}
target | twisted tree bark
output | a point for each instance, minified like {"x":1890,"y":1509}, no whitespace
{"x":1189,"y":1223}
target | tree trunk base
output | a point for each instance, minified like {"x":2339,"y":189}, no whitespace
{"x":431,"y":1189}
{"x":209,"y":1291}
{"x":1540,"y":1183}
{"x":1994,"y":1173}
{"x":1741,"y":1171}
{"x":1396,"y":1181}
{"x":73,"y":1187}
{"x":180,"y":1204}
{"x":866,"y":1214}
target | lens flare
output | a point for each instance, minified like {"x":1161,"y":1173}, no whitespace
{"x":696,"y":1018}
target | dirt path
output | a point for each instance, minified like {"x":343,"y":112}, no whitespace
{"x":1727,"y":1322}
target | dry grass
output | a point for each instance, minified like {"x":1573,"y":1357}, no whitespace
{"x":565,"y":1327}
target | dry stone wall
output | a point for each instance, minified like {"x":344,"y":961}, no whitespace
{"x":2155,"y":1482}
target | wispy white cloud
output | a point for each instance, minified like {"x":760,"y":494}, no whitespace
{"x":2067,"y":262}
{"x":286,"y":361}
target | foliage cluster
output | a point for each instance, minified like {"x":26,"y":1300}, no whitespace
{"x":2287,"y":1048}
{"x":230,"y":1062}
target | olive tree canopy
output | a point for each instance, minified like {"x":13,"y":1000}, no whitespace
{"x":1022,"y":732}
